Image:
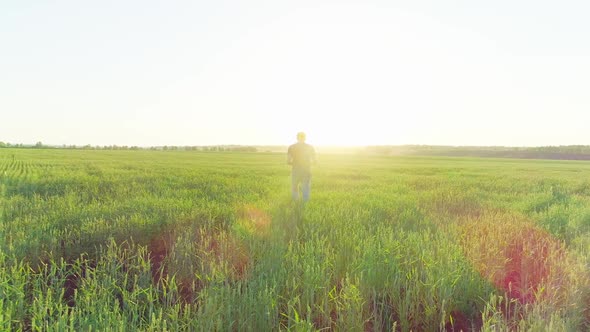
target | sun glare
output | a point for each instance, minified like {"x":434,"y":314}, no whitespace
{"x":361,"y":128}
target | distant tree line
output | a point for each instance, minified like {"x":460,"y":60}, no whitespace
{"x":213,"y":148}
{"x":565,"y":152}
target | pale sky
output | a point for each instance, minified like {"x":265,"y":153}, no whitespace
{"x":513,"y":73}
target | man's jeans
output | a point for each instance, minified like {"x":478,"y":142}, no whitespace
{"x":300,"y":179}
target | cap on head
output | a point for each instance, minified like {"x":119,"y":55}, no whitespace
{"x":301,"y":136}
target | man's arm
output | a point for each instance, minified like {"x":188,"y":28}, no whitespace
{"x":289,"y":157}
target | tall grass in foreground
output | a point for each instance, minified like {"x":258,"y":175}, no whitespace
{"x":155,"y":241}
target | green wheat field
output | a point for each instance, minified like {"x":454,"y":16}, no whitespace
{"x":204,"y":241}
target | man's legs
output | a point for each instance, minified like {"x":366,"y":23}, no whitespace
{"x":300,"y":178}
{"x":306,"y":187}
{"x":294,"y":185}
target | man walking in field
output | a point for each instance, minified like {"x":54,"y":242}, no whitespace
{"x":301,"y":155}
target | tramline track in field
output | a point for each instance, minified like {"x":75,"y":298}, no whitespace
{"x":3,"y":168}
{"x":21,"y":176}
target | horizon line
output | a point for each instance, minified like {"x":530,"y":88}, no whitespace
{"x":336,"y":146}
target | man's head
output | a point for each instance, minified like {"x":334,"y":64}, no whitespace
{"x":301,"y":137}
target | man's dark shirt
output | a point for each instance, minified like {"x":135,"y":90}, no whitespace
{"x":301,"y":155}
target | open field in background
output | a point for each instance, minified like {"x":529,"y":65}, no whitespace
{"x":165,"y":240}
